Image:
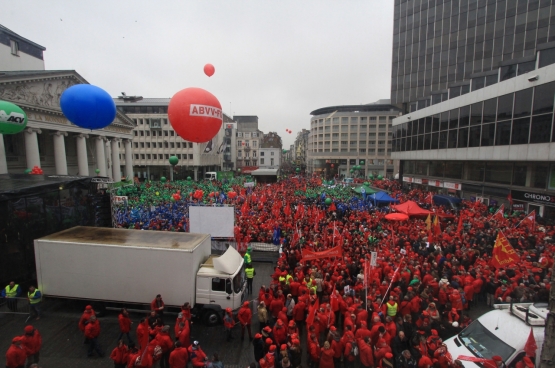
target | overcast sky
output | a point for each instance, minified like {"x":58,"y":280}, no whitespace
{"x":278,"y":60}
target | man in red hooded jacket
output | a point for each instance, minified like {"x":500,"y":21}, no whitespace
{"x":245,"y":317}
{"x":92,"y":331}
{"x":32,"y":342}
{"x":197,"y":356}
{"x":164,"y":340}
{"x":16,"y":356}
{"x":120,"y":355}
{"x":365,"y":352}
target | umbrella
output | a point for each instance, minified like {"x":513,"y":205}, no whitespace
{"x":396,"y":217}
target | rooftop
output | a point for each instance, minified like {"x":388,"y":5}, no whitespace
{"x":15,"y":35}
{"x":380,"y":105}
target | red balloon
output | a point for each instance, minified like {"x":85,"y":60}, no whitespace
{"x":195,"y":114}
{"x":209,"y":70}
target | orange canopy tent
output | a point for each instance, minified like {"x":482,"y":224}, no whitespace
{"x":410,"y":208}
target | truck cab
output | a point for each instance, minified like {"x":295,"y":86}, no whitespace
{"x":220,"y":284}
{"x":504,"y":332}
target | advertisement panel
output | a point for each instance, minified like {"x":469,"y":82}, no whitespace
{"x":542,"y":198}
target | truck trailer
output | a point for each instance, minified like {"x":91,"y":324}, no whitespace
{"x":111,"y":268}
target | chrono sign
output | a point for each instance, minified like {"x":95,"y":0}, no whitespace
{"x":12,"y":118}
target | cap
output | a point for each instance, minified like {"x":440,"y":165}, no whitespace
{"x":245,"y":304}
{"x":258,"y":336}
{"x":292,"y":323}
{"x":16,"y":339}
{"x":296,"y":341}
{"x":88,"y":307}
{"x":158,"y":295}
{"x":228,"y":310}
{"x":333,"y":328}
{"x":272,"y":348}
{"x":283,"y":347}
{"x":267,"y":329}
{"x":268,"y":341}
{"x":497,"y":358}
{"x":434,"y":332}
{"x":388,"y":355}
{"x":29,"y":328}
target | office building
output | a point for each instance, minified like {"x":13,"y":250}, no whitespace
{"x":477,"y":85}
{"x":342,"y":137}
{"x":248,"y":142}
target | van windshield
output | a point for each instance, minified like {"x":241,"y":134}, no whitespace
{"x":484,"y":344}
{"x":238,"y":282}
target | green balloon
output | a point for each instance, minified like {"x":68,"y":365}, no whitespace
{"x":97,"y":171}
{"x":173,"y":160}
{"x":380,"y":177}
{"x":327,"y":201}
{"x":163,"y":179}
{"x":12,"y":118}
{"x":370,"y":176}
{"x":352,"y":170}
{"x":238,"y":170}
{"x":188,"y":178}
{"x":298,"y":170}
{"x":27,"y":171}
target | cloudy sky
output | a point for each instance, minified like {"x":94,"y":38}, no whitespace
{"x":278,"y":60}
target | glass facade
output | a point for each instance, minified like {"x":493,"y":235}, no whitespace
{"x":522,"y":117}
{"x":441,"y":42}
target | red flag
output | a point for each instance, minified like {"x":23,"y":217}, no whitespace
{"x":498,"y":215}
{"x":245,"y":208}
{"x":312,"y":313}
{"x":510,"y":198}
{"x":531,"y":346}
{"x":429,"y":198}
{"x":530,"y":220}
{"x":460,"y":225}
{"x":332,"y":208}
{"x":334,"y":303}
{"x":488,"y":363}
{"x":503,"y":253}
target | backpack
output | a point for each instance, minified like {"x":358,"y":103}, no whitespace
{"x":354,"y":348}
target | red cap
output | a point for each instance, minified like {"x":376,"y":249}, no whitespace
{"x":245,"y":304}
{"x":333,"y":328}
{"x":29,"y":328}
{"x":88,"y":307}
{"x":258,"y":336}
{"x":283,"y":347}
{"x":291,"y":323}
{"x":272,"y":348}
{"x":388,"y":355}
{"x":267,"y":329}
{"x":269,"y":341}
{"x":228,"y":310}
{"x":296,"y":341}
{"x":497,"y":358}
{"x":434,"y":332}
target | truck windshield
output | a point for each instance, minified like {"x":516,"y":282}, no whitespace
{"x":238,"y":282}
{"x":484,"y":344}
{"x":208,"y":176}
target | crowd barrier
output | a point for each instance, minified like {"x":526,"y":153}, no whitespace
{"x":14,"y":306}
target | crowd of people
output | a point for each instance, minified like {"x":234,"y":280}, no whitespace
{"x":341,"y":311}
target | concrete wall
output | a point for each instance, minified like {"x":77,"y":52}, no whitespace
{"x":23,"y":61}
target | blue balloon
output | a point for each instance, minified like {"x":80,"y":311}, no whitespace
{"x":88,"y":106}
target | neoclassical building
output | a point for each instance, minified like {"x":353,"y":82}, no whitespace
{"x":53,"y":143}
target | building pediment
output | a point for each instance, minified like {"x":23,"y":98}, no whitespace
{"x":40,"y":92}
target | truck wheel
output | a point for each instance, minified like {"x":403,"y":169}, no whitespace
{"x":211,"y":318}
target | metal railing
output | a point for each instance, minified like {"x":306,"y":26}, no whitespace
{"x":14,"y":306}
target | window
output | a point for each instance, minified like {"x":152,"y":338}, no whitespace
{"x":148,"y":156}
{"x":490,"y":110}
{"x":523,"y":103}
{"x":543,"y":98}
{"x":239,"y":143}
{"x":262,"y":153}
{"x":521,"y":129}
{"x":165,"y":133}
{"x":218,"y":284}
{"x":142,"y":145}
{"x":452,"y":139}
{"x":147,"y":145}
{"x":271,"y":162}
{"x":547,"y":57}
{"x":142,"y":156}
{"x":463,"y":138}
{"x":500,"y":173}
{"x":488,"y":135}
{"x":14,"y":45}
{"x":475,"y":171}
{"x":505,"y":107}
{"x":254,"y":143}
{"x":136,"y":156}
{"x":476,"y":114}
{"x":541,"y":128}
{"x":261,"y":161}
{"x":271,"y":153}
{"x":142,"y":133}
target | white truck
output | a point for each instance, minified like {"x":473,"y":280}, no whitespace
{"x":504,"y":332}
{"x":112,"y":268}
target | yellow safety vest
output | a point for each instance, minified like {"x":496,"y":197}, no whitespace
{"x":32,"y":298}
{"x":288,"y":279}
{"x":391,"y":309}
{"x":249,"y":272}
{"x":13,"y":292}
{"x":247,"y":258}
{"x":281,"y":279}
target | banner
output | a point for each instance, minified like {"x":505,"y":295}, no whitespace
{"x":328,"y":253}
{"x":503,"y":253}
{"x":488,"y":363}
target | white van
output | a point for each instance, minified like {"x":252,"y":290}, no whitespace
{"x":504,"y":332}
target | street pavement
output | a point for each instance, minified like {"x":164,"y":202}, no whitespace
{"x":63,"y":341}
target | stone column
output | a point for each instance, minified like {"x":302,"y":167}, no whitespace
{"x":116,"y":170}
{"x":100,"y":156}
{"x":60,"y":152}
{"x":196,"y":173}
{"x":32,"y":147}
{"x":3,"y":162}
{"x":82,"y":160}
{"x":128,"y":159}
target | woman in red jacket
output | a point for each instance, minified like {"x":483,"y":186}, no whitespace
{"x":326,"y":357}
{"x":125,"y":325}
{"x":120,"y":355}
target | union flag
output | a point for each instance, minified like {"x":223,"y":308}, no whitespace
{"x":530,"y":220}
{"x":498,"y":215}
{"x":503,"y":253}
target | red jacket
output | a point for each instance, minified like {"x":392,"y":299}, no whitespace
{"x":245,"y":315}
{"x":299,"y":311}
{"x":326,"y":358}
{"x":92,"y":329}
{"x":365,"y":353}
{"x":120,"y":355}
{"x":179,"y":357}
{"x":84,"y":319}
{"x":275,"y":307}
{"x":15,"y":356}
{"x":165,"y":341}
{"x":32,"y":343}
{"x":154,"y":305}
{"x":314,"y":351}
{"x":124,"y":323}
{"x":184,"y":335}
{"x":197,"y":356}
{"x":280,"y":334}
